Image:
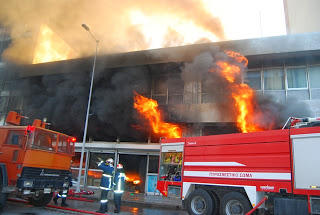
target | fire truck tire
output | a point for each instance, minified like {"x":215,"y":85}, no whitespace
{"x":234,"y":203}
{"x":40,"y":200}
{"x":200,"y":202}
{"x":216,"y":202}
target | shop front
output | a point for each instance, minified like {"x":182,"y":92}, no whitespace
{"x":140,"y":162}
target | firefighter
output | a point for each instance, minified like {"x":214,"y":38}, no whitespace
{"x":119,"y":180}
{"x":63,"y":196}
{"x":106,"y":183}
{"x":63,"y":193}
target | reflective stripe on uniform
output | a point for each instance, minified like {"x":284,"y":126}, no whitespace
{"x":100,"y":163}
{"x":59,"y":195}
{"x":64,"y":196}
{"x":118,"y":191}
{"x":104,"y":188}
{"x":104,"y":200}
{"x":106,"y":175}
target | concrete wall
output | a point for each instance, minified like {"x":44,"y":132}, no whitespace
{"x":302,"y":16}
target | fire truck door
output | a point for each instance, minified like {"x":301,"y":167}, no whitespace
{"x":306,"y":159}
{"x":13,"y":145}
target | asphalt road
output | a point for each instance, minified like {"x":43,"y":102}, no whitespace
{"x":18,"y":208}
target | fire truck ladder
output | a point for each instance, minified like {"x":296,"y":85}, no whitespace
{"x":295,"y":122}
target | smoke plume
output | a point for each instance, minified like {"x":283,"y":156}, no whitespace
{"x":111,"y":22}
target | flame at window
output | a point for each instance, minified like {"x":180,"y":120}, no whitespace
{"x":148,"y":109}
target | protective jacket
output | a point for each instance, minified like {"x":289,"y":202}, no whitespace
{"x":106,"y":179}
{"x":119,"y":180}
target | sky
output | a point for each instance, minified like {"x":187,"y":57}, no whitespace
{"x":250,"y":18}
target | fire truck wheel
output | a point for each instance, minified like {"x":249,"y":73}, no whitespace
{"x":40,"y":200}
{"x":234,"y":203}
{"x":200,"y":203}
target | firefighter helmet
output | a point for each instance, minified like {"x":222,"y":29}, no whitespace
{"x":119,"y":166}
{"x":109,"y":160}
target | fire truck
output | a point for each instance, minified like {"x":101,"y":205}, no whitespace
{"x":268,"y":172}
{"x":34,"y":161}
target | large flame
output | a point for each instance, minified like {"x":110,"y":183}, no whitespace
{"x":242,"y":94}
{"x":156,"y":30}
{"x":148,"y":108}
{"x":51,"y":47}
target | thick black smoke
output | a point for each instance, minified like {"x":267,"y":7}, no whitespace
{"x":270,"y":113}
{"x":62,"y":99}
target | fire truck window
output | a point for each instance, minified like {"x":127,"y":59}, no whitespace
{"x":63,"y":144}
{"x":44,"y":140}
{"x":15,"y":137}
{"x":170,"y":168}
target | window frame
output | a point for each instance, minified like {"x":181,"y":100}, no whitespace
{"x":261,"y":78}
{"x":284,"y":78}
{"x":295,"y":88}
{"x":309,"y":80}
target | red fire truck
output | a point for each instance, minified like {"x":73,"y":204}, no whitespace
{"x":235,"y":173}
{"x":34,"y":161}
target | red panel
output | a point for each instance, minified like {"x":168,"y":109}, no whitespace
{"x":307,"y":192}
{"x":162,"y":186}
{"x":267,"y":185}
{"x":271,"y":147}
{"x":176,"y":140}
{"x":238,"y":138}
{"x":237,"y":169}
{"x":295,"y":131}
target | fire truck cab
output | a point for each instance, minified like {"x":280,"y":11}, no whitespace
{"x":34,"y":161}
{"x":233,"y":173}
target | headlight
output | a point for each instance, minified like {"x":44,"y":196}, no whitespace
{"x":66,"y":184}
{"x":28,"y":183}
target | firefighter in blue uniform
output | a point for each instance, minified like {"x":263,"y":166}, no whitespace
{"x":106,"y":183}
{"x":119,"y":180}
{"x":63,"y":193}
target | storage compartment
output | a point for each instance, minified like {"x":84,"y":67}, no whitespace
{"x":315,"y":205}
{"x":174,"y":191}
{"x":284,"y":206}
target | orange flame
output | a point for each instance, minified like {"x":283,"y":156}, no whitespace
{"x":241,"y":93}
{"x":134,"y":179}
{"x":50,"y":47}
{"x":148,"y":108}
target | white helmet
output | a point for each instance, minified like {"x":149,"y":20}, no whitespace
{"x":109,"y":160}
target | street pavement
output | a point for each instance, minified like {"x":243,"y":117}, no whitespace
{"x":135,"y":199}
{"x":20,"y":207}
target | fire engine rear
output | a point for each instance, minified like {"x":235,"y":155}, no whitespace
{"x":34,"y":161}
{"x":238,"y":173}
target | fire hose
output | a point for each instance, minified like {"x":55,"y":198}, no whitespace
{"x":255,"y":208}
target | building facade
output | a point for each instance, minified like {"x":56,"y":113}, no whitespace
{"x":285,"y":69}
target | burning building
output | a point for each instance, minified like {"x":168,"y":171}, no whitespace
{"x":191,"y":90}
